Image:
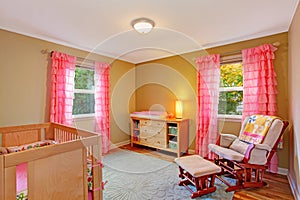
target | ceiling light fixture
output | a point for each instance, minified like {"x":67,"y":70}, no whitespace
{"x":143,"y":25}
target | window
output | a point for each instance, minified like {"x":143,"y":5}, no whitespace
{"x":84,"y":94}
{"x":231,"y":91}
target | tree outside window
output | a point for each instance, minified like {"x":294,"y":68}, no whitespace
{"x":231,"y":90}
{"x":84,"y":94}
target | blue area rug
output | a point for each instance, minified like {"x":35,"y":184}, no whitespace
{"x":134,"y":176}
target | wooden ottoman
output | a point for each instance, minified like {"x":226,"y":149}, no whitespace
{"x":199,"y":172}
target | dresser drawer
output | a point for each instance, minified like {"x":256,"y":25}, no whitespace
{"x":154,"y":141}
{"x":152,"y":131}
{"x":153,"y":123}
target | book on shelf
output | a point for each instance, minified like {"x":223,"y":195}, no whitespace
{"x":136,"y":135}
{"x":136,"y":124}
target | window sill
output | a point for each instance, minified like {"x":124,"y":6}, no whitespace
{"x":230,"y":118}
{"x":83,"y":117}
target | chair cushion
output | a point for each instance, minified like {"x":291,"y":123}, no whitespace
{"x":226,"y":139}
{"x":239,"y":146}
{"x":226,"y":153}
{"x":197,"y":166}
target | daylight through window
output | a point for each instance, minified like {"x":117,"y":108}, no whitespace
{"x":84,"y":94}
{"x":231,"y":90}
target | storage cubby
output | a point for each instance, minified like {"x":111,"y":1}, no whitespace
{"x":136,"y":130}
{"x":172,"y":135}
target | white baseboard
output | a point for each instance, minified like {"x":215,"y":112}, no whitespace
{"x":283,"y":171}
{"x":117,"y":145}
{"x":294,"y":186}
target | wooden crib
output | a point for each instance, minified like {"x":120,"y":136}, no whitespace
{"x":56,"y":171}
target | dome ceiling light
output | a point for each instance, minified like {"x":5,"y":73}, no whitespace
{"x":143,"y":25}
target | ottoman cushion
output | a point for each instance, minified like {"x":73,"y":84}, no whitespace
{"x":197,"y":166}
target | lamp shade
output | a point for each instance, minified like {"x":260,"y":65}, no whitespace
{"x":143,"y":25}
{"x":178,"y":109}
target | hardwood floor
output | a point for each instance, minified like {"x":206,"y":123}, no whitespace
{"x":277,"y":187}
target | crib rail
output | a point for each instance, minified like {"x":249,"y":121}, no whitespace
{"x":24,"y":134}
{"x":61,"y":134}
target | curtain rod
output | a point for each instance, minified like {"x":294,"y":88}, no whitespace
{"x":276,"y":44}
{"x":80,"y":59}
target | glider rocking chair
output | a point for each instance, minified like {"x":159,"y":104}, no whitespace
{"x":246,"y":157}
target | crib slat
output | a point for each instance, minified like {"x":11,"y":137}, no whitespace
{"x":84,"y":165}
{"x":97,"y":171}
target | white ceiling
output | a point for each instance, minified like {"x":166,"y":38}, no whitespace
{"x":103,"y":26}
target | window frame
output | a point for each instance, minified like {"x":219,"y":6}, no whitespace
{"x":225,"y":61}
{"x":83,"y":91}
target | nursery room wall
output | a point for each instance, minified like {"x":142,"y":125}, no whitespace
{"x":176,"y":76}
{"x":294,"y":106}
{"x":24,"y":84}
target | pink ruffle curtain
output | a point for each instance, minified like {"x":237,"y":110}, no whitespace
{"x":102,"y":103}
{"x":208,"y":77}
{"x":62,"y":88}
{"x":260,"y":85}
{"x":259,"y":81}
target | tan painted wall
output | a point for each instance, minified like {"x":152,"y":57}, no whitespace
{"x":161,"y":93}
{"x":181,"y":84}
{"x":122,"y":84}
{"x":173,"y":76}
{"x":23,"y":81}
{"x":294,"y":106}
